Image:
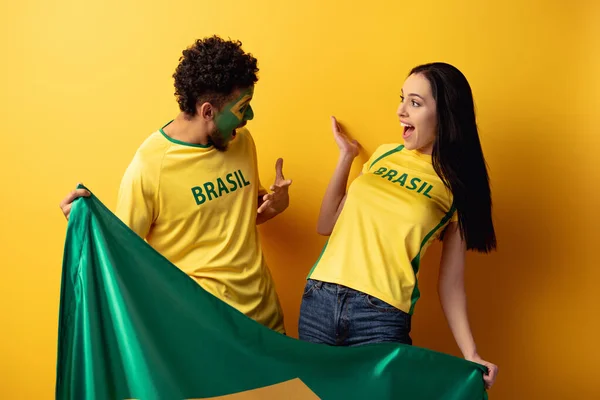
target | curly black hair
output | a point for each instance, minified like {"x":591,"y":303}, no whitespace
{"x":210,"y":70}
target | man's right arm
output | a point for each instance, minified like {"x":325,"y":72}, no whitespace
{"x":136,"y":201}
{"x":66,"y":203}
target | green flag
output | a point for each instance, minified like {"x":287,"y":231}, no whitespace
{"x":134,"y":326}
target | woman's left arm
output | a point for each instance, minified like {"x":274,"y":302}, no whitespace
{"x":451,"y":289}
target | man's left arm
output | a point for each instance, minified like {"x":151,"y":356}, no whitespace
{"x":274,"y":203}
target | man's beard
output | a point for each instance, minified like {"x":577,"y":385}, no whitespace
{"x":220,"y":141}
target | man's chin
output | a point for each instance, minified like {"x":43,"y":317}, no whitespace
{"x":218,"y":142}
{"x":221,"y":146}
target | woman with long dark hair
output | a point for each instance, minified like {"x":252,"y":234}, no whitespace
{"x":364,"y":286}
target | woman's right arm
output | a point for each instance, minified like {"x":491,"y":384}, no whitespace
{"x":335,"y":195}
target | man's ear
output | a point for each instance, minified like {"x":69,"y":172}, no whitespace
{"x":206,"y":111}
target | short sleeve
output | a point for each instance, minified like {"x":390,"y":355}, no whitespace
{"x":261,"y":190}
{"x":454,"y":217}
{"x":136,"y":204}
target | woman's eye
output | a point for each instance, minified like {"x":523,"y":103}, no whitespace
{"x":415,"y":104}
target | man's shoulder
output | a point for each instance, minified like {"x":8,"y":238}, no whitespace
{"x":243,"y":144}
{"x":245,"y":135}
{"x":149,"y":155}
{"x":153,"y":146}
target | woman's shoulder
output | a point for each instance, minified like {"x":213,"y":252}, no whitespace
{"x":386,"y":148}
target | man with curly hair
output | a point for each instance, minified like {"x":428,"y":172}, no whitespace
{"x":192,"y":189}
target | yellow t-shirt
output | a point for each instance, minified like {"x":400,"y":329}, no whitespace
{"x":392,"y":213}
{"x":197,"y":206}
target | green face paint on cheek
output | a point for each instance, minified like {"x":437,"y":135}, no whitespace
{"x":234,"y":113}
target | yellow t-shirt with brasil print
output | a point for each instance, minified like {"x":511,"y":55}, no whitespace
{"x":197,"y":206}
{"x":392,"y":213}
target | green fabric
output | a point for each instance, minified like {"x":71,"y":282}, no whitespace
{"x":134,"y":326}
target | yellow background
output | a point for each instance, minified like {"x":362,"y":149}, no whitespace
{"x":84,"y":82}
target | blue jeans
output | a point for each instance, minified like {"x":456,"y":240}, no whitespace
{"x":339,"y":316}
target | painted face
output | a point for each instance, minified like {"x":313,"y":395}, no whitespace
{"x":418,"y":115}
{"x":234,"y":115}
